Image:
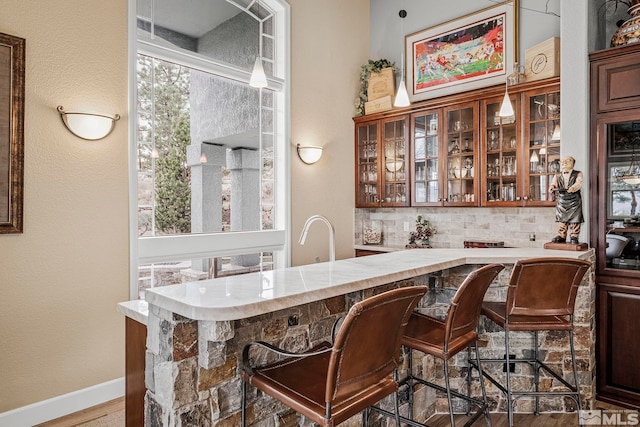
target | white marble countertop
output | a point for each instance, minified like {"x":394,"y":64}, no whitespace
{"x":247,"y":295}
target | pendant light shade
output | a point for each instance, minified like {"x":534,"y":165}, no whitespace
{"x":258,"y":78}
{"x":632,"y":175}
{"x":534,"y":157}
{"x":506,"y":109}
{"x":402,"y":97}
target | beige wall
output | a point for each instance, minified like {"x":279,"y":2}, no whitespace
{"x":61,"y":279}
{"x":329,"y":42}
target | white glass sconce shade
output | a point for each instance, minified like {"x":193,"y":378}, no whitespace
{"x":309,"y":154}
{"x":88,"y":126}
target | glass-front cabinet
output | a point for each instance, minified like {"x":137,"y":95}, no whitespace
{"x":622,"y":193}
{"x":501,"y":158}
{"x":460,"y":152}
{"x":426,"y":189}
{"x":542,"y":141}
{"x":461,"y":155}
{"x":614,"y":200}
{"x":381,"y":159}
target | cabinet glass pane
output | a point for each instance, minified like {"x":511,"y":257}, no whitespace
{"x":394,"y":162}
{"x":501,"y":160}
{"x":543,"y":147}
{"x":425,"y":158}
{"x":460,"y":156}
{"x":367,"y":164}
{"x":623,"y":194}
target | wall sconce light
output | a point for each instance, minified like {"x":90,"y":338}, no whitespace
{"x":88,"y":126}
{"x":309,"y":154}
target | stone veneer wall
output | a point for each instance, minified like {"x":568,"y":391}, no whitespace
{"x":513,"y":226}
{"x":192,"y":374}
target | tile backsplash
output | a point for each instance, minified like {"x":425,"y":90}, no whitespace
{"x":513,"y":226}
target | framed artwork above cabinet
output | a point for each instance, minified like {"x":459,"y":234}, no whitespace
{"x":456,"y":150}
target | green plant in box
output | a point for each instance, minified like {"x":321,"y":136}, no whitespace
{"x":365,"y":72}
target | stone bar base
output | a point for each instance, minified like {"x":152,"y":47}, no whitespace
{"x":192,"y":367}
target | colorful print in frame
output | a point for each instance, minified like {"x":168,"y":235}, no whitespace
{"x":467,"y":53}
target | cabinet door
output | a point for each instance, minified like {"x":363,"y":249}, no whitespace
{"x":542,"y":142}
{"x":460,"y":155}
{"x":501,"y":163}
{"x":617,"y":237}
{"x":426,"y":182}
{"x":394,"y":165}
{"x":618,"y":343}
{"x":367,"y":165}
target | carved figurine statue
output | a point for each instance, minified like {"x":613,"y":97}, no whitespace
{"x":566,"y":186}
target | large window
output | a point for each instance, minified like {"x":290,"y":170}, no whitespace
{"x":208,"y":150}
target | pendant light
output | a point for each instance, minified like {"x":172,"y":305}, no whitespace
{"x":258,"y":77}
{"x":632,"y":175}
{"x":506,"y":108}
{"x":402,"y":97}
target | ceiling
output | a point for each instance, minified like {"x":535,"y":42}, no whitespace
{"x":190,"y":17}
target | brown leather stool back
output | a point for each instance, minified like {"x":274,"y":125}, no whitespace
{"x":545,"y":286}
{"x":367,"y":347}
{"x":464,"y":311}
{"x":332,"y":382}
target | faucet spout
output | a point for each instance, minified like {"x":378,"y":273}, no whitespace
{"x":305,"y":230}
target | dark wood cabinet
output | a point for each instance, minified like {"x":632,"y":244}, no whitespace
{"x":366,"y":252}
{"x":615,"y":141}
{"x":381,"y":163}
{"x":456,"y":150}
{"x":135,"y":389}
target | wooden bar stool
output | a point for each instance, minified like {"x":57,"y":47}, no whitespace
{"x":445,"y":339}
{"x":332,"y":382}
{"x":541,"y":297}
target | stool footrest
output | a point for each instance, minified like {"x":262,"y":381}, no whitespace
{"x":455,"y":393}
{"x":419,"y":424}
{"x":533,"y":363}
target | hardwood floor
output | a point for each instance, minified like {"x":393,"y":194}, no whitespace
{"x":500,"y":420}
{"x":108,"y":414}
{"x":111,"y":414}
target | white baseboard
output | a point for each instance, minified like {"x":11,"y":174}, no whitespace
{"x":65,"y":404}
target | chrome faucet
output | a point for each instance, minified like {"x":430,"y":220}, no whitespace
{"x":305,"y":230}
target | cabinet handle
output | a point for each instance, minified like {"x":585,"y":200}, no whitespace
{"x":525,"y":198}
{"x":518,"y":198}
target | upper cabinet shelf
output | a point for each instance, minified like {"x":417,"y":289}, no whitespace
{"x":457,"y":151}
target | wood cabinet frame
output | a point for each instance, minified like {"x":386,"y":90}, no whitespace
{"x":475,"y":98}
{"x":615,"y":98}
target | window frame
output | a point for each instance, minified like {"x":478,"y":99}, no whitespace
{"x":146,"y":250}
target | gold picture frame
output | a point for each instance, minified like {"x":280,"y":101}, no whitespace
{"x":12,"y":66}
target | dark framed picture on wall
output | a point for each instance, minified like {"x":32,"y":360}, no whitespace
{"x":12,"y":57}
{"x":473,"y":51}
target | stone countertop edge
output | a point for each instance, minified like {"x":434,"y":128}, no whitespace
{"x":136,"y":309}
{"x":253,"y":294}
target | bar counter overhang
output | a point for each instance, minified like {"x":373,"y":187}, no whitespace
{"x":196,"y":330}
